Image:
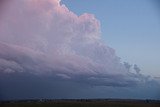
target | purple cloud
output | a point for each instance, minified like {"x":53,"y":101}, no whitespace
{"x":43,"y":37}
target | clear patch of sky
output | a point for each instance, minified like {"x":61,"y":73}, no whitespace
{"x":131,"y":27}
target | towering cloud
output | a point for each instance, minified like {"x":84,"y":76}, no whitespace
{"x":44,"y":38}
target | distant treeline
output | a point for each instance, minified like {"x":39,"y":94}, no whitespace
{"x":81,"y":100}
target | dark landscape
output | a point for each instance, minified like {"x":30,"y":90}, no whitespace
{"x":80,"y":103}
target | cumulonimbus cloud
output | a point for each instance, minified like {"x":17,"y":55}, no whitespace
{"x":43,"y":37}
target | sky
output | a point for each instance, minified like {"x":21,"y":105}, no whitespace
{"x":132,"y":28}
{"x":72,"y":49}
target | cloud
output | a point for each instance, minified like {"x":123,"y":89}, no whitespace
{"x":136,"y":68}
{"x":29,"y":86}
{"x":128,"y":66}
{"x":43,"y":37}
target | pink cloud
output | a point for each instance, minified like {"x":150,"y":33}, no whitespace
{"x":44,"y":37}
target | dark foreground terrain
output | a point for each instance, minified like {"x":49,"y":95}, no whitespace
{"x":81,"y":103}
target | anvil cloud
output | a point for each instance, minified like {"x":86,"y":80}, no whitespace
{"x":45,"y":38}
